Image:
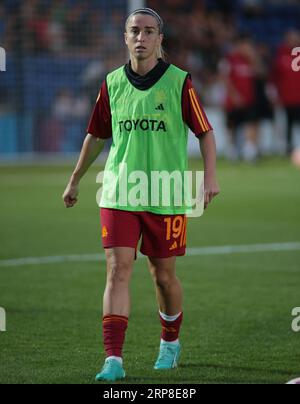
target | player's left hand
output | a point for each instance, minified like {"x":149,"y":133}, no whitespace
{"x":211,"y":189}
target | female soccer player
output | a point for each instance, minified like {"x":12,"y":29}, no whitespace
{"x":146,"y":106}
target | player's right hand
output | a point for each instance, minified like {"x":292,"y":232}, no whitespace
{"x":70,"y":195}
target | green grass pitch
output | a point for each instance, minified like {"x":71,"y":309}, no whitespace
{"x":237,"y":307}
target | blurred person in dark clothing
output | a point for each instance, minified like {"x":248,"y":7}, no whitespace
{"x":264,"y":100}
{"x":264,"y":90}
{"x":287,"y":82}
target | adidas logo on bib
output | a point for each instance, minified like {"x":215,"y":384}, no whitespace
{"x":160,"y":108}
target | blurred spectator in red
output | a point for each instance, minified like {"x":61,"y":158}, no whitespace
{"x":239,"y":70}
{"x":36,"y":23}
{"x":287,"y":82}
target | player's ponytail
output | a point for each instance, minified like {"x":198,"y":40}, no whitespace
{"x":161,"y":54}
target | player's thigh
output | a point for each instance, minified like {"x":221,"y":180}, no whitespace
{"x":119,"y":228}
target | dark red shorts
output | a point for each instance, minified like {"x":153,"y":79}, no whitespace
{"x":162,"y":236}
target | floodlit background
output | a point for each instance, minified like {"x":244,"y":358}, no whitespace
{"x":58,"y":52}
{"x":241,"y":274}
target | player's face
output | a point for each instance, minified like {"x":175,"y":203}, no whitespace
{"x":142,"y":37}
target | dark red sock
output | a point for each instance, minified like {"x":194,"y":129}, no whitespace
{"x":114,"y":329}
{"x":170,"y":329}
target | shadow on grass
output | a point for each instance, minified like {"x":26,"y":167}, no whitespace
{"x":237,"y":368}
{"x":205,"y":373}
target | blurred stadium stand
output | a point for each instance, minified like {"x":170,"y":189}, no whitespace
{"x":59,"y":51}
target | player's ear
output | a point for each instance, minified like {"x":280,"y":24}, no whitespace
{"x":125,"y":37}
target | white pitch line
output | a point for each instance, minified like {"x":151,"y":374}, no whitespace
{"x":52,"y":260}
{"x":238,"y":249}
{"x":191,"y":252}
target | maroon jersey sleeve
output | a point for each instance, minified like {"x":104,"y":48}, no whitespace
{"x":192,"y":111}
{"x":100,"y":122}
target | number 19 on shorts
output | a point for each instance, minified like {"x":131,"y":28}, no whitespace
{"x":176,"y":229}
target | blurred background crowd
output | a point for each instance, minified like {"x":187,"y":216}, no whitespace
{"x":238,"y":53}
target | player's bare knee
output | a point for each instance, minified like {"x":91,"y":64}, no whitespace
{"x":118,"y":273}
{"x":163,"y":280}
